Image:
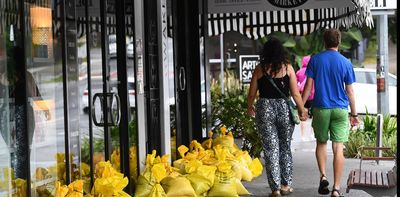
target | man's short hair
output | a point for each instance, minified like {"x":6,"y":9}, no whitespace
{"x":332,"y":38}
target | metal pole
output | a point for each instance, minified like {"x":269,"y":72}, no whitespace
{"x":382,"y":65}
{"x":141,"y":115}
{"x":89,"y":82}
{"x":221,"y":75}
{"x":379,"y":131}
{"x":165,"y":125}
{"x":123,"y":90}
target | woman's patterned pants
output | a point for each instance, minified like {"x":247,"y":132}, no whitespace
{"x":275,"y":130}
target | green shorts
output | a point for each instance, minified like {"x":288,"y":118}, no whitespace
{"x":330,"y":124}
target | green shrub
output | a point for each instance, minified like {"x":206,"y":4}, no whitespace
{"x":366,"y":136}
{"x":230,"y":110}
{"x":98,"y":146}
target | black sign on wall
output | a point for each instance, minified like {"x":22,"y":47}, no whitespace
{"x":247,"y":65}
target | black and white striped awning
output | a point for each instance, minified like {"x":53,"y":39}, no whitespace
{"x":9,"y":15}
{"x":95,"y":25}
{"x":256,"y":25}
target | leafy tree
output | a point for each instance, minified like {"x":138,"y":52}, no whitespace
{"x":392,"y":28}
{"x":300,"y":46}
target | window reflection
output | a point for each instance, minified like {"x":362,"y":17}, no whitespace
{"x":43,"y":62}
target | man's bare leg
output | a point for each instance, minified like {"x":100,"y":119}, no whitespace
{"x":338,"y":163}
{"x":321,"y":155}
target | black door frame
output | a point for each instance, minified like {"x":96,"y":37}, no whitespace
{"x":186,"y":36}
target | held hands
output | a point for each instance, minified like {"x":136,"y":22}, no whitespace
{"x":303,"y":115}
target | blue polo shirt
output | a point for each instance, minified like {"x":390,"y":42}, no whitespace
{"x":331,"y":71}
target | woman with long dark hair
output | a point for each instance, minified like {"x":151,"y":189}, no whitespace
{"x":272,"y":114}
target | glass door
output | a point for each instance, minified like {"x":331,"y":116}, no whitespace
{"x":16,"y":132}
{"x":60,"y":94}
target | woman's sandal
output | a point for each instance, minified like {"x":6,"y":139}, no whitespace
{"x":337,"y":191}
{"x":286,"y":192}
{"x":323,"y":185}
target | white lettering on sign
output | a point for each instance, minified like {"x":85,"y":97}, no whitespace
{"x":247,"y":65}
{"x":383,"y":4}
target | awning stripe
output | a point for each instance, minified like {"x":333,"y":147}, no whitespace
{"x":254,"y":25}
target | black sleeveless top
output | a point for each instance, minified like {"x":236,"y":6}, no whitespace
{"x":267,"y":90}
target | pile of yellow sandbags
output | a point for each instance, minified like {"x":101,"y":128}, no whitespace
{"x":213,"y":168}
{"x":12,"y":186}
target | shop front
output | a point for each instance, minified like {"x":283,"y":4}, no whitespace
{"x":68,"y":93}
{"x":87,"y":81}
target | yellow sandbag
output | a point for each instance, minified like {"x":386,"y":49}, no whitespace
{"x":210,"y":158}
{"x":180,"y":165}
{"x":207,"y":144}
{"x":246,"y":173}
{"x":133,"y":169}
{"x":202,"y":155}
{"x":145,"y":184}
{"x":158,"y":171}
{"x":182,"y":149}
{"x":241,"y":190}
{"x":110,"y":186}
{"x":220,"y":152}
{"x":192,"y":166}
{"x":210,"y":161}
{"x":150,"y":158}
{"x":178,"y":187}
{"x":226,"y":141}
{"x":237,"y":169}
{"x":208,"y":172}
{"x":203,"y":179}
{"x":199,"y":183}
{"x":61,"y":190}
{"x":224,"y":185}
{"x":246,"y":158}
{"x":245,"y":161}
{"x":256,"y":167}
{"x":157,"y":191}
{"x":195,"y":146}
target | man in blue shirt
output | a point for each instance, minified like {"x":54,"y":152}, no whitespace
{"x":332,"y":75}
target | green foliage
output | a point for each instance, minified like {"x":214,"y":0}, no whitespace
{"x":389,"y":125}
{"x":392,"y":28}
{"x":366,"y":136}
{"x":131,"y":130}
{"x":300,"y":46}
{"x":357,"y":139}
{"x":369,"y":125}
{"x":98,"y":143}
{"x":98,"y":146}
{"x":230,"y":110}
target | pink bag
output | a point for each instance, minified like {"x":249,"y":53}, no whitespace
{"x":301,"y":89}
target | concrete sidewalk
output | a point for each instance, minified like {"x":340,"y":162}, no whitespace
{"x":306,"y":174}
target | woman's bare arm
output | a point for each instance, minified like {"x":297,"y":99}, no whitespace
{"x":251,"y":96}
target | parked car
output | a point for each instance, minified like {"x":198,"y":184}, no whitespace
{"x":365,"y":91}
{"x":112,"y":45}
{"x":129,"y":50}
{"x":97,"y":87}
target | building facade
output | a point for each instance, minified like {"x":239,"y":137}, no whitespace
{"x":84,"y":81}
